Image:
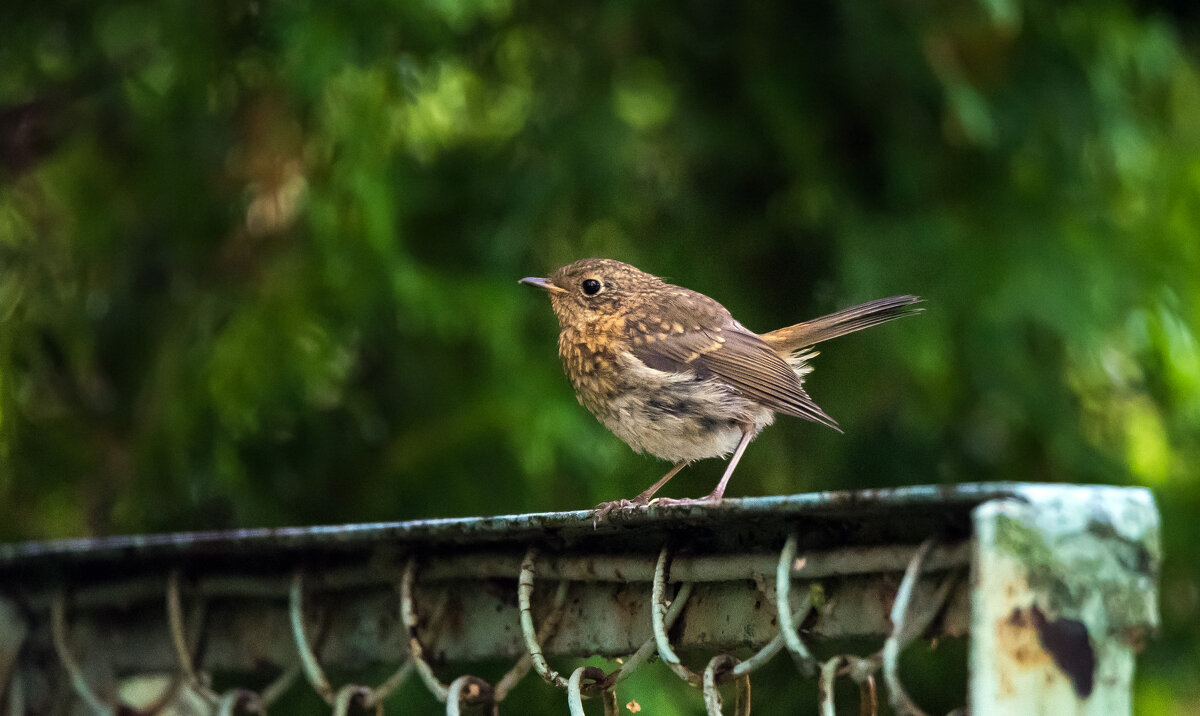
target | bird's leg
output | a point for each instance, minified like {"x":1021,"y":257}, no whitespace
{"x":715,"y":496}
{"x":643,"y":497}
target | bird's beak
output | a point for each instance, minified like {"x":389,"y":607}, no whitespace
{"x":542,"y":283}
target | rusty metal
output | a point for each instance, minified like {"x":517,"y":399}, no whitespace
{"x":491,"y":564}
{"x":758,"y":575}
{"x":944,"y":507}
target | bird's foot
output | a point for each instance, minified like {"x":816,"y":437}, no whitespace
{"x":604,"y":508}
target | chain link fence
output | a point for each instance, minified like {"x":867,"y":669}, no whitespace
{"x":1055,"y":587}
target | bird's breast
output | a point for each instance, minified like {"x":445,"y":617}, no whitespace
{"x":588,"y":357}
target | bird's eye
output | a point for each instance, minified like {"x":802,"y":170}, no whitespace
{"x":591,"y":286}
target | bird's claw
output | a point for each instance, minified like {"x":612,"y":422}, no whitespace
{"x":604,"y":508}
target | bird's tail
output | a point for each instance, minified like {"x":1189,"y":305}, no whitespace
{"x":847,"y":320}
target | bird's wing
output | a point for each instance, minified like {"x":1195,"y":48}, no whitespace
{"x":675,"y":341}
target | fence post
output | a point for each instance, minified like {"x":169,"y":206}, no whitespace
{"x":1063,"y":595}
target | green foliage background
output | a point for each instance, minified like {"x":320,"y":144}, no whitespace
{"x":258,"y":260}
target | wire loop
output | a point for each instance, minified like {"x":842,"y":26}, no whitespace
{"x":651,"y":643}
{"x":720,"y":668}
{"x":601,"y":682}
{"x":904,"y":631}
{"x":239,"y":701}
{"x":657,"y":614}
{"x":234,"y":700}
{"x":825,"y":685}
{"x":364,"y":696}
{"x":179,"y":638}
{"x":549,"y":627}
{"x":605,"y":684}
{"x":471,"y":690}
{"x":861,"y":670}
{"x":772,"y":647}
{"x":787,"y":623}
{"x":533,"y":638}
{"x":279,"y":686}
{"x":58,"y":631}
{"x":408,"y":616}
{"x":79,"y":682}
{"x":760,"y":657}
{"x":308,"y":659}
{"x":355,"y":695}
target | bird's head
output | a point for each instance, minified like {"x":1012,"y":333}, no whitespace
{"x":589,"y":289}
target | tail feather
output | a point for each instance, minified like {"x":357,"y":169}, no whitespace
{"x":839,"y":323}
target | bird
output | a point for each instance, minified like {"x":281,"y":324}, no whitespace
{"x":671,"y":372}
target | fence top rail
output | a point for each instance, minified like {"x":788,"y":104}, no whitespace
{"x":835,"y":518}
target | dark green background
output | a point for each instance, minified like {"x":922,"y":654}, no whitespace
{"x":258,"y":260}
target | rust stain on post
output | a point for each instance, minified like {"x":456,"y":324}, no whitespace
{"x":1031,"y":642}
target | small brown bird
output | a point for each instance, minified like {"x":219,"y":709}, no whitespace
{"x":671,"y":372}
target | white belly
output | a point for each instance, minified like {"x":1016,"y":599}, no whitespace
{"x":679,"y":417}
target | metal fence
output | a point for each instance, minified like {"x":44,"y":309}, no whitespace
{"x":1055,"y":587}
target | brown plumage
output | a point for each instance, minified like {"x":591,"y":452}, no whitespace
{"x":672,"y":373}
